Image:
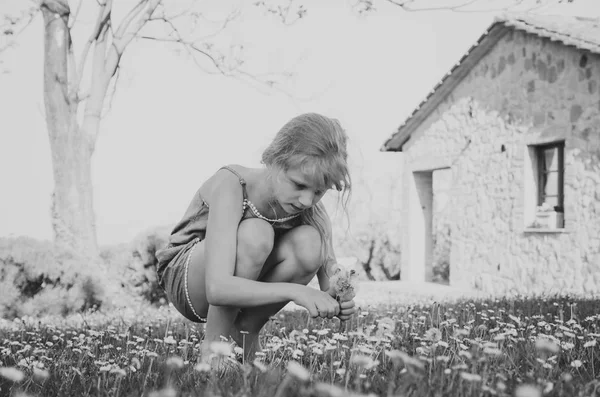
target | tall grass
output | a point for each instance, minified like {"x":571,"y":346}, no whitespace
{"x":504,"y":347}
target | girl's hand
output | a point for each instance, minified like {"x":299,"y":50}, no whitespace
{"x":347,"y":310}
{"x":346,"y":303}
{"x":318,"y":303}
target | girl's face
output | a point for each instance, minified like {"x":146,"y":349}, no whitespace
{"x":295,"y":191}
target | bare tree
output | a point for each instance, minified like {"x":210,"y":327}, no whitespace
{"x":78,"y":87}
{"x":73,"y":139}
{"x":74,"y":105}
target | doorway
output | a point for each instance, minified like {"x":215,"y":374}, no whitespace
{"x":430,"y":239}
{"x":421,"y":228}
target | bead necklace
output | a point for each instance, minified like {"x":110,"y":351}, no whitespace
{"x":249,"y":204}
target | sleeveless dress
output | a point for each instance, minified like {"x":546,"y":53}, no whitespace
{"x":173,"y":260}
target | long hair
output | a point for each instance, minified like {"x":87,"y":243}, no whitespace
{"x":316,"y":145}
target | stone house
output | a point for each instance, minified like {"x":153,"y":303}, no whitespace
{"x":501,"y":168}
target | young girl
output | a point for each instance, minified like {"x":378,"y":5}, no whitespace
{"x":253,"y":238}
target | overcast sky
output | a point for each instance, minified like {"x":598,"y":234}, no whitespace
{"x":171,"y":125}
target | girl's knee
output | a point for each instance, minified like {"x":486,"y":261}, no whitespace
{"x":255,"y":241}
{"x":306,"y":243}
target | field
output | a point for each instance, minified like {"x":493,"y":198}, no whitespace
{"x":495,"y":347}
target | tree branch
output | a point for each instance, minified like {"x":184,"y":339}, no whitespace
{"x":218,"y":61}
{"x":187,"y":11}
{"x":111,"y":96}
{"x":189,"y":47}
{"x":73,"y":82}
{"x":129,"y":18}
{"x":463,"y":6}
{"x":169,"y":21}
{"x":366,"y":6}
{"x":74,"y":16}
{"x":106,"y":58}
{"x":404,"y":6}
{"x":99,"y":39}
{"x":101,"y":21}
{"x":283,"y":12}
{"x":129,"y":28}
{"x":12,"y":26}
{"x":99,"y":78}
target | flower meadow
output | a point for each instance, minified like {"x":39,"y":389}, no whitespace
{"x":524,"y":347}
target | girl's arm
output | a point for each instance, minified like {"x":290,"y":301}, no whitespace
{"x":222,"y":287}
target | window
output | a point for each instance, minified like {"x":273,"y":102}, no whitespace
{"x":544,"y":187}
{"x":550,"y":166}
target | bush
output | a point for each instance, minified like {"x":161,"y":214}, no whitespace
{"x":135,"y":263}
{"x":143,"y":249}
{"x":38,"y":278}
{"x":376,"y":251}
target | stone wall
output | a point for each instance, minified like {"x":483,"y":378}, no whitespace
{"x":527,"y":90}
{"x":442,"y":224}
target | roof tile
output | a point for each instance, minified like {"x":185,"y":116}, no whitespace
{"x":580,"y":32}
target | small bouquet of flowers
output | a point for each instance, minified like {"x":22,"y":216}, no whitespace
{"x":343,"y":284}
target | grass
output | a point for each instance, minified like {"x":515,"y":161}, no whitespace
{"x":496,"y":347}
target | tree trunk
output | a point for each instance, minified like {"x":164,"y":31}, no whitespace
{"x":387,"y":273}
{"x":73,"y":220}
{"x":367,"y":263}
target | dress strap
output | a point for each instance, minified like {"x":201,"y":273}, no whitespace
{"x":242,"y":180}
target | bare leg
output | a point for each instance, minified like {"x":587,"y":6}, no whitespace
{"x":295,"y":259}
{"x":255,"y":242}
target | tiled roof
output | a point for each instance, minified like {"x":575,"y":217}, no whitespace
{"x":582,"y":33}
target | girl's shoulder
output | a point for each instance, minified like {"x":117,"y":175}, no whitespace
{"x":227,"y":179}
{"x":242,"y":173}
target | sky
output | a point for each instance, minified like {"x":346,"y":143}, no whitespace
{"x":171,"y":124}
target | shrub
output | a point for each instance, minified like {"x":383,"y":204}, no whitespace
{"x":145,"y":244}
{"x":377,"y":253}
{"x":143,"y":248}
{"x":38,"y":278}
{"x":135,"y":264}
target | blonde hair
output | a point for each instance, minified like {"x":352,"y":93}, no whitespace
{"x":316,"y":145}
